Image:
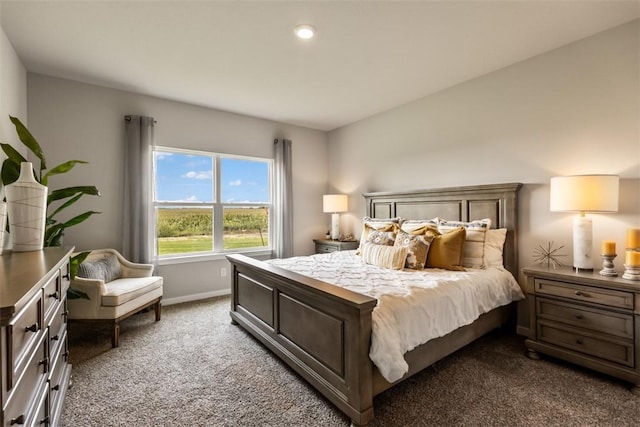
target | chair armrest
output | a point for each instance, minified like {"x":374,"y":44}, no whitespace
{"x":132,"y":269}
{"x":93,"y":288}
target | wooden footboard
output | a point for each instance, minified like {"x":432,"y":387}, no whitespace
{"x":321,"y":331}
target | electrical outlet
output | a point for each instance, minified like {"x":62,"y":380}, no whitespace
{"x":223,"y":272}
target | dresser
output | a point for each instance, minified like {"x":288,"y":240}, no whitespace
{"x":35,"y":372}
{"x":587,"y":319}
{"x":326,"y":246}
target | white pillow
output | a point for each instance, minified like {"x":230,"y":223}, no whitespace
{"x":473,"y":252}
{"x":493,"y":247}
{"x":392,"y":257}
{"x":418,"y":226}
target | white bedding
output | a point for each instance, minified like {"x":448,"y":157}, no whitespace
{"x":413,"y":306}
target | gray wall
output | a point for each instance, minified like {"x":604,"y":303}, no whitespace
{"x":73,"y":120}
{"x":574,"y":110}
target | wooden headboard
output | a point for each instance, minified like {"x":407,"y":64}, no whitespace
{"x":496,"y":201}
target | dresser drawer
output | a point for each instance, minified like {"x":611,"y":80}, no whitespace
{"x":608,"y":322}
{"x":323,"y":249}
{"x":57,"y":327}
{"x":23,"y":332}
{"x":590,"y":294}
{"x":618,"y":351}
{"x":51,"y":296}
{"x":25,"y":397}
{"x":56,"y":376}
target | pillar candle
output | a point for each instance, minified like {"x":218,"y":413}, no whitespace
{"x":608,"y":247}
{"x":632,"y":259}
{"x":633,"y":238}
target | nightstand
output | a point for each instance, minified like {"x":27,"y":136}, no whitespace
{"x":324,"y":246}
{"x":587,"y":319}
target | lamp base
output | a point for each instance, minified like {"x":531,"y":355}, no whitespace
{"x":582,"y":243}
{"x":335,"y":226}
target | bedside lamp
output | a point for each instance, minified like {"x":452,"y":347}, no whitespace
{"x":334,"y":204}
{"x":584,"y":193}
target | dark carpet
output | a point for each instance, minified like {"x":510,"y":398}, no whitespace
{"x":193,"y":368}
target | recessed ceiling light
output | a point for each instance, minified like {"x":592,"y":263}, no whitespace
{"x":304,"y":31}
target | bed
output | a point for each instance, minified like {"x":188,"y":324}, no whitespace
{"x":323,"y":331}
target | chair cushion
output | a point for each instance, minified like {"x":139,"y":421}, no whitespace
{"x":121,"y":291}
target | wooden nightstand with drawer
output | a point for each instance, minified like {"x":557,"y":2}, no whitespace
{"x":326,"y":246}
{"x":587,"y":319}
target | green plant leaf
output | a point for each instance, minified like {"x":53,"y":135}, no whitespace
{"x":28,"y":140}
{"x":79,"y":218}
{"x":53,"y":235}
{"x":63,"y":206}
{"x":60,"y":169}
{"x":10,"y":172}
{"x":63,"y":193}
{"x":13,"y":154}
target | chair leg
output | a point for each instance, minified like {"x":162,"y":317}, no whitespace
{"x":158,"y":309}
{"x":115,"y":338}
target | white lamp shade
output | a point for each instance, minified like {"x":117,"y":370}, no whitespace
{"x":333,"y":203}
{"x":584,"y":193}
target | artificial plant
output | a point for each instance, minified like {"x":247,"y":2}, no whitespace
{"x":54,"y":227}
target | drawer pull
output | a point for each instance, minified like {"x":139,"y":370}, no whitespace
{"x":32,"y":328}
{"x":579,"y":341}
{"x":45,"y":420}
{"x":66,"y":276}
{"x":44,"y":362}
{"x":64,"y":314}
{"x":55,"y":338}
{"x":582,"y":294}
{"x":17,"y":420}
{"x":55,"y":387}
{"x":53,"y":295}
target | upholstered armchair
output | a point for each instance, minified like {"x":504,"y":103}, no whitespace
{"x":117,"y":289}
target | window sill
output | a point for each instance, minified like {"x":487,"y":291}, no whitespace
{"x":182,"y":259}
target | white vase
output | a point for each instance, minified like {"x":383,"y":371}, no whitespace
{"x":27,"y":209}
{"x":3,"y":223}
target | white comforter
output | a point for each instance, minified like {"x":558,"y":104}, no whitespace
{"x":413,"y":306}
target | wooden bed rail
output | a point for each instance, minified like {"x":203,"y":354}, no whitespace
{"x":321,"y":331}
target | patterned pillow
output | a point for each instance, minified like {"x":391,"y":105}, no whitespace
{"x":105,"y":269}
{"x":378,"y":237}
{"x":380,"y":224}
{"x":417,"y":248}
{"x":392,"y":257}
{"x":476,"y":232}
{"x":446,"y":249}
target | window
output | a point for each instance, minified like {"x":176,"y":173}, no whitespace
{"x":210,"y":203}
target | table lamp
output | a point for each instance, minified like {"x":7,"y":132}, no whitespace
{"x":584,"y":193}
{"x":334,"y":204}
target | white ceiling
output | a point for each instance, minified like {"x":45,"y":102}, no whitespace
{"x":368,"y":56}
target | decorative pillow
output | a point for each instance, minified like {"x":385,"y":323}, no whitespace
{"x":105,"y":269}
{"x":392,"y":257}
{"x":417,"y":248}
{"x":473,"y":254}
{"x":378,"y":237}
{"x":445,"y":250}
{"x":380,"y":224}
{"x":419,"y":226}
{"x":493,"y":246}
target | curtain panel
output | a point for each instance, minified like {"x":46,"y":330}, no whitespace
{"x":139,"y":219}
{"x":283,"y":200}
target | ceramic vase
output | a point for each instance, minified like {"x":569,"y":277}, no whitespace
{"x":27,"y":211}
{"x":3,"y":223}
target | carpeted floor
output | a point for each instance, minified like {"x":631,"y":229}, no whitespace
{"x":193,"y":368}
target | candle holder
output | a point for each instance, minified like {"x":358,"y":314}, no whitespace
{"x":607,"y":265}
{"x":631,"y":272}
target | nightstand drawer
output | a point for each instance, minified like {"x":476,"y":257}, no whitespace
{"x":607,"y":322}
{"x":590,"y":294}
{"x":617,"y":351}
{"x":323,"y":249}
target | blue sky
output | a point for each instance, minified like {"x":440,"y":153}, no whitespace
{"x":189,"y":178}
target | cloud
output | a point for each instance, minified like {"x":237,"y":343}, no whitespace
{"x":198,"y":175}
{"x":236,"y":183}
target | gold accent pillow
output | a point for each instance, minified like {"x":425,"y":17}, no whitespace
{"x":446,"y":249}
{"x":417,"y":248}
{"x":474,"y":241}
{"x":392,"y":257}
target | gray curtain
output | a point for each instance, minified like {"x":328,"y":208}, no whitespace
{"x":138,"y":222}
{"x":283,"y":200}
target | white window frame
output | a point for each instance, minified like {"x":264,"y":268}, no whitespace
{"x":217,"y":206}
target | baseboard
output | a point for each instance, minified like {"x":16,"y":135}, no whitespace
{"x":522,"y":330}
{"x":195,"y":297}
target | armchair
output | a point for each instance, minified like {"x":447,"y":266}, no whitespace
{"x":117,"y":289}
